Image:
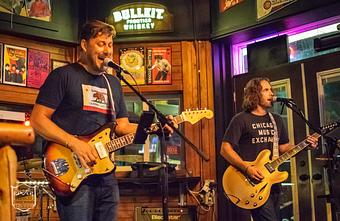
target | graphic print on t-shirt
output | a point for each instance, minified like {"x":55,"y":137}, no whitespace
{"x":263,"y":132}
{"x":95,"y":99}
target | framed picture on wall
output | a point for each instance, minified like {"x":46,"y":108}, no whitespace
{"x":1,"y":61}
{"x":38,"y":67}
{"x":132,"y":60}
{"x":39,"y":9}
{"x":159,"y":65}
{"x":58,"y":63}
{"x":15,"y":65}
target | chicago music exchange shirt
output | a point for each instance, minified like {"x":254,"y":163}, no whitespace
{"x":249,"y":134}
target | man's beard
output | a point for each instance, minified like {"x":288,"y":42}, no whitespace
{"x":95,"y":70}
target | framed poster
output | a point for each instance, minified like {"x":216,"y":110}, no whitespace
{"x":58,"y":63}
{"x":159,"y":65}
{"x":38,"y":67}
{"x":227,"y":4}
{"x":39,"y":9}
{"x":1,"y":59}
{"x":15,"y":65}
{"x":132,"y":60}
{"x":16,"y":7}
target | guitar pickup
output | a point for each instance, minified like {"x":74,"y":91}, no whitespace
{"x":269,"y":167}
{"x":101,"y":150}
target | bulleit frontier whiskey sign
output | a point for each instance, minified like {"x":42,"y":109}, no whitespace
{"x":141,"y":18}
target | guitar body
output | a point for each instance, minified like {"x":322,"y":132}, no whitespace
{"x":65,"y":172}
{"x":249,"y":194}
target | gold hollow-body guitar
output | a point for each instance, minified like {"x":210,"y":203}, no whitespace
{"x":249,"y":194}
{"x":64,"y":171}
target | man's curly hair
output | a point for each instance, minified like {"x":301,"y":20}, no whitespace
{"x":252,"y":93}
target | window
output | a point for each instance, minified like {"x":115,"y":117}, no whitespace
{"x":150,"y":151}
{"x":300,"y":43}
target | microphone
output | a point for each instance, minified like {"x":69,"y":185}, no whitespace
{"x":109,"y":63}
{"x":282,"y":99}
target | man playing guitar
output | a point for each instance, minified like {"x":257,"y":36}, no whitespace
{"x":251,"y":132}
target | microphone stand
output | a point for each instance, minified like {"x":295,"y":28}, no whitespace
{"x":164,"y":176}
{"x":291,"y":104}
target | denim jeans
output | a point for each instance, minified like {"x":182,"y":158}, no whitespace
{"x":270,"y":211}
{"x":96,"y":199}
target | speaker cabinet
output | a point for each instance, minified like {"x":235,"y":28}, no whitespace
{"x":156,"y":214}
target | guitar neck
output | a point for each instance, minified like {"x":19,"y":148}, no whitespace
{"x":120,"y":142}
{"x":125,"y":140}
{"x":292,"y":152}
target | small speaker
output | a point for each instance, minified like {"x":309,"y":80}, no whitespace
{"x":156,"y":214}
{"x":268,"y":53}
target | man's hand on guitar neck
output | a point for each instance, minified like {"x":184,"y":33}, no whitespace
{"x":253,"y":173}
{"x":313,"y":142}
{"x":167,"y":129}
{"x":86,"y":154}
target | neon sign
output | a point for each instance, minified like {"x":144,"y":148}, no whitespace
{"x":140,"y":18}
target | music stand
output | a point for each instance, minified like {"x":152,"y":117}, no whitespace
{"x":144,"y":124}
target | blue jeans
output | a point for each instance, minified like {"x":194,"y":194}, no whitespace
{"x":96,"y":199}
{"x":270,"y":211}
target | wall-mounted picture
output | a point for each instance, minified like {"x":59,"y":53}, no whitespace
{"x":39,"y":9}
{"x":132,"y":60}
{"x":227,"y":4}
{"x":58,"y":63}
{"x":13,"y":7}
{"x":15,"y":65}
{"x":1,"y":59}
{"x":38,"y":67}
{"x":159,"y":65}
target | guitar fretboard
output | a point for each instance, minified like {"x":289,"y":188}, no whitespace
{"x":290,"y":153}
{"x":125,"y":140}
{"x":120,"y":142}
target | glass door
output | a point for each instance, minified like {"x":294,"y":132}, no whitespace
{"x":289,"y":198}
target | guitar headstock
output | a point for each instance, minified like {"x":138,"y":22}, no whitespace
{"x":193,"y":116}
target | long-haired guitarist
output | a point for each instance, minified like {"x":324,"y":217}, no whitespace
{"x":252,"y":131}
{"x":78,"y":99}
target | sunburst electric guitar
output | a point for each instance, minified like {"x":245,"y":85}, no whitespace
{"x":249,"y":194}
{"x":64,"y":170}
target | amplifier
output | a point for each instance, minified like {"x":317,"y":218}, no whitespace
{"x":156,"y":214}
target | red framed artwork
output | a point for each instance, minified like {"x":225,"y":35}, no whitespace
{"x":38,"y":68}
{"x":159,"y":65}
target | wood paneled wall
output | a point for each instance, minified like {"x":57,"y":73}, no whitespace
{"x":25,"y":95}
{"x":198,"y":92}
{"x":191,"y":77}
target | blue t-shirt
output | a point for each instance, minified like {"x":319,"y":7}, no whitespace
{"x":81,"y":100}
{"x":249,"y":134}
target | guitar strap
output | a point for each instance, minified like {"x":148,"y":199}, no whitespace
{"x":113,"y":110}
{"x":276,"y":138}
